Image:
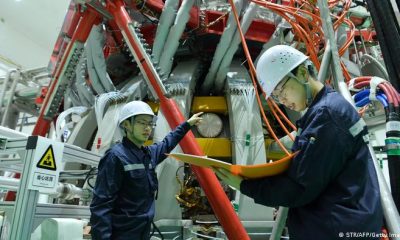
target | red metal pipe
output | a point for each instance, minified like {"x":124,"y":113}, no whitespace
{"x":207,"y":179}
{"x":81,"y":32}
{"x":71,"y":20}
{"x":42,"y":125}
{"x":12,"y":195}
{"x":83,"y":28}
{"x":114,"y":32}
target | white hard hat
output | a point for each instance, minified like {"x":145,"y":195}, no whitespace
{"x":275,"y":63}
{"x":134,"y":108}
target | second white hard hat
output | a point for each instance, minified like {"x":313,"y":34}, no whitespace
{"x":275,"y":63}
{"x":134,"y":108}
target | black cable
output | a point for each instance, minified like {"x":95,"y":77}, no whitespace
{"x":387,"y":31}
{"x":90,"y":176}
{"x":89,"y":184}
{"x":158,"y":230}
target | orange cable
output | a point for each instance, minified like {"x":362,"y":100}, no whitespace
{"x":251,"y":65}
{"x":308,"y":31}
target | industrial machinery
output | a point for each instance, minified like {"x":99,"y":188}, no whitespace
{"x":184,"y":57}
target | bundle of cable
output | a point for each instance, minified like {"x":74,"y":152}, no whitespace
{"x":62,"y":229}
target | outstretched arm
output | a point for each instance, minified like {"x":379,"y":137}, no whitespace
{"x":172,"y":139}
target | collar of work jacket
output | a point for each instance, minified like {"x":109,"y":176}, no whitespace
{"x":142,"y":154}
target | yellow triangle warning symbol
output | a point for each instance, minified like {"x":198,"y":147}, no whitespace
{"x":47,"y":161}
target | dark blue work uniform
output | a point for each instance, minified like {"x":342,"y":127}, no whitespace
{"x":331,"y":186}
{"x":123,"y":198}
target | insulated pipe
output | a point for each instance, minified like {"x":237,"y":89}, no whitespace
{"x":166,"y":20}
{"x":95,"y":59}
{"x":233,"y":46}
{"x":64,"y":190}
{"x":325,"y":63}
{"x":74,"y":110}
{"x":36,"y":78}
{"x":221,"y":49}
{"x":174,"y":35}
{"x":356,"y":53}
{"x":207,"y":179}
{"x":110,"y":98}
{"x":84,"y":91}
{"x":94,"y":78}
{"x":157,"y":5}
{"x":68,"y":191}
{"x":12,"y":92}
{"x":339,"y":83}
{"x":9,"y":183}
{"x":377,"y":63}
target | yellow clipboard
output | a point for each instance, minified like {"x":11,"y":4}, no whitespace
{"x":246,"y":171}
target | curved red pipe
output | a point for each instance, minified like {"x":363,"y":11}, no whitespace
{"x":207,"y":179}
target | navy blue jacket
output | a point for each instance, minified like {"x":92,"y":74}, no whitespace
{"x":331,"y":186}
{"x":123,"y":198}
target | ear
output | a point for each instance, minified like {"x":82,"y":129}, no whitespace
{"x":125,"y":124}
{"x":302,"y":73}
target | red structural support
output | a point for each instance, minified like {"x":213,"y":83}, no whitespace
{"x":71,"y":20}
{"x":42,"y":125}
{"x":81,"y":33}
{"x":259,"y":30}
{"x":79,"y":28}
{"x":207,"y":179}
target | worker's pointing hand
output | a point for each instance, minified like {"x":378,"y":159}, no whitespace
{"x":228,"y":178}
{"x":195,"y":119}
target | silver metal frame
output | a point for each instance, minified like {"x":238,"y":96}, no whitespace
{"x":26,"y":212}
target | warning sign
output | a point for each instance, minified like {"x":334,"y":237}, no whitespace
{"x":46,"y":165}
{"x":47,"y":161}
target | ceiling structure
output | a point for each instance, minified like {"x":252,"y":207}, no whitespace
{"x":28,"y":31}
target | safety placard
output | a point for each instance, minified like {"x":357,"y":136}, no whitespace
{"x":46,"y":164}
{"x":47,"y":161}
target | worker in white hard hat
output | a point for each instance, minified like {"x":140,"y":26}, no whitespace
{"x":331,"y":186}
{"x":123,"y":202}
